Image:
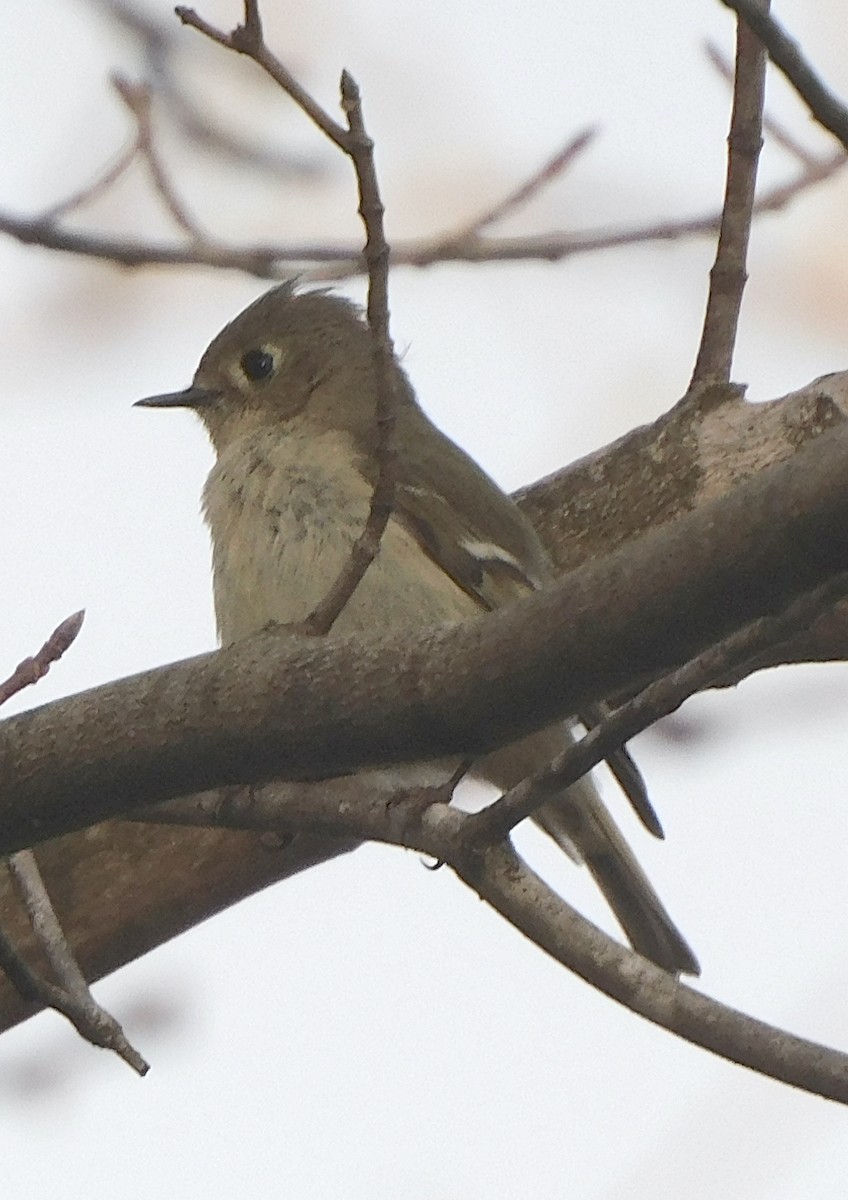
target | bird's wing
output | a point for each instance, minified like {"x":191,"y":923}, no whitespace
{"x":496,"y":558}
{"x":471,"y":528}
{"x":484,"y":569}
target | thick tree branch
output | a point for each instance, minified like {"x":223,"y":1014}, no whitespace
{"x":703,"y":448}
{"x":165,"y":879}
{"x":649,"y":706}
{"x":263,"y":711}
{"x":276,"y":706}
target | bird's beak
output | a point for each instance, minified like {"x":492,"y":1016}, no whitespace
{"x":191,"y":397}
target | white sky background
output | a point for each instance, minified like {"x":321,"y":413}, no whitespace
{"x":371,"y":1029}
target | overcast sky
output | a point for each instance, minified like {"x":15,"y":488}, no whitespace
{"x":371,"y":1029}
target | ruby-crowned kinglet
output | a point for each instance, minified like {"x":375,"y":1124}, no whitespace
{"x":287,"y":394}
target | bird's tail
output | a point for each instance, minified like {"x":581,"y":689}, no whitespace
{"x":580,"y":823}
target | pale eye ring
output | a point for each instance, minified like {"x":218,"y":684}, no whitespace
{"x":258,"y":364}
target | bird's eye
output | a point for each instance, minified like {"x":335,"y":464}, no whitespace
{"x":257,"y":365}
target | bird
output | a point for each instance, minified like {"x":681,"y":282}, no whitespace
{"x":287,"y":392}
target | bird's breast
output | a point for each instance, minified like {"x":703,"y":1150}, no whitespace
{"x":284,"y":513}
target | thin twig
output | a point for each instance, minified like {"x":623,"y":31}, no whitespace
{"x":71,"y":996}
{"x":26,"y":876}
{"x":206,"y":135}
{"x":344,"y":261}
{"x":504,"y":881}
{"x":159,"y":44}
{"x":367,"y":544}
{"x":247,"y":39}
{"x":545,"y":175}
{"x":30,"y":670}
{"x":461,"y":689}
{"x":658,"y":700}
{"x":785,"y":53}
{"x":354,"y":141}
{"x":137,"y":98}
{"x":729,"y":275}
{"x":94,"y":190}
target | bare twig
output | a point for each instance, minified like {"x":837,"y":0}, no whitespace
{"x":30,"y":670}
{"x":27,"y":879}
{"x":367,"y":544}
{"x":137,"y":98}
{"x":206,"y":135}
{"x":786,"y":54}
{"x":550,"y":170}
{"x":656,"y":701}
{"x":342,"y":261}
{"x":354,"y":141}
{"x":775,"y":129}
{"x":275,"y":262}
{"x":159,"y":47}
{"x":728,"y":275}
{"x":92,"y":191}
{"x":71,"y":996}
{"x":247,"y":39}
{"x":510,"y":887}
